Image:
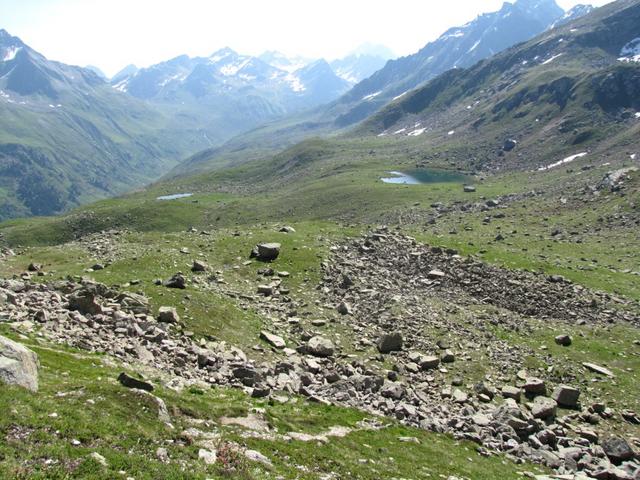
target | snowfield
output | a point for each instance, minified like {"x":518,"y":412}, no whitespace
{"x":11,"y":53}
{"x":631,"y":51}
{"x":563,"y":161}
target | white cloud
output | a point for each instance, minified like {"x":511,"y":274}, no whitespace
{"x":113,"y":33}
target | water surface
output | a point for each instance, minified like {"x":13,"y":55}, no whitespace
{"x":424,"y":175}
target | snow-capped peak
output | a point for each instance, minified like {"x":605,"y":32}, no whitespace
{"x":222,"y":54}
{"x":234,"y":67}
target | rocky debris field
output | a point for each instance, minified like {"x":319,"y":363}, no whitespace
{"x":400,"y":318}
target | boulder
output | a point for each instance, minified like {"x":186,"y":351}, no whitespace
{"x":266,"y":290}
{"x":272,"y":339}
{"x":482,"y":388}
{"x":511,"y":392}
{"x":459,"y":396}
{"x":18,"y":365}
{"x":390,"y":342}
{"x":564,"y":340}
{"x":435,"y":274}
{"x":543,"y":408}
{"x":176,"y":281}
{"x":135,"y":302}
{"x":535,"y":386}
{"x":394,"y":390}
{"x":84,"y":302}
{"x":199,"y":266}
{"x":209,"y":457}
{"x":617,"y":449}
{"x":344,"y":308}
{"x":509,"y":144}
{"x":168,"y":315}
{"x":566,"y":396}
{"x":320,"y":347}
{"x":266,"y":252}
{"x":469,"y":188}
{"x":131,"y":382}
{"x":598,"y":369}
{"x":34,"y":267}
{"x":429,"y":362}
{"x":447,"y":357}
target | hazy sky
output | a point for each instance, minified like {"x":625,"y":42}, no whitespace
{"x":113,"y":33}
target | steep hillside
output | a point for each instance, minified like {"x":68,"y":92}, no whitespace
{"x":458,"y":47}
{"x":66,"y":137}
{"x":565,"y":91}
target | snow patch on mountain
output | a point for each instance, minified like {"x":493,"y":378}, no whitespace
{"x":122,"y":86}
{"x":346,"y":74}
{"x":234,"y":67}
{"x":631,"y":51}
{"x":548,"y":61}
{"x":295,"y":83}
{"x":569,"y":159}
{"x":178,"y":77}
{"x":401,"y":95}
{"x":372,"y":95}
{"x":416,"y":132}
{"x":11,"y":53}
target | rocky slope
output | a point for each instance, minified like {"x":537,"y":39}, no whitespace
{"x":403,"y":328}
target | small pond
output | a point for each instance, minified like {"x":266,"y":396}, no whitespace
{"x":425,"y":175}
{"x":174,"y":196}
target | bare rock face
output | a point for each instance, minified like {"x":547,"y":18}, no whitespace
{"x":18,"y":365}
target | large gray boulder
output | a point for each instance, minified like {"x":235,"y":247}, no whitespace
{"x":320,"y":347}
{"x":18,"y":365}
{"x":84,"y":301}
{"x":266,"y":251}
{"x":390,"y":342}
{"x":566,"y":396}
{"x":617,"y":449}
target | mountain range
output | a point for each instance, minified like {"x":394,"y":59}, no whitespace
{"x":458,"y":47}
{"x":67,"y":136}
{"x":251,"y":320}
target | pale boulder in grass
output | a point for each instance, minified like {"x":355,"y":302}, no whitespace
{"x":18,"y":365}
